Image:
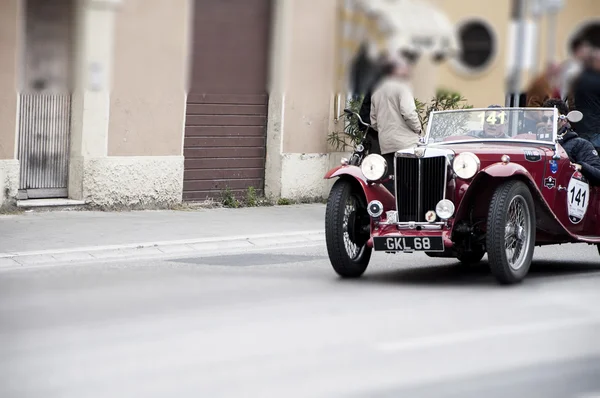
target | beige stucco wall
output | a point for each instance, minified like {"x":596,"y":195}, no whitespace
{"x":309,"y":76}
{"x":149,"y":75}
{"x":9,"y":36}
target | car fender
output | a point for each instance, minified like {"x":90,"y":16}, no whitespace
{"x":372,"y":191}
{"x":506,"y":171}
{"x":466,"y":188}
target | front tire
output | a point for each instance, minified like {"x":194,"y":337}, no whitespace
{"x":511,"y":228}
{"x":345,"y":218}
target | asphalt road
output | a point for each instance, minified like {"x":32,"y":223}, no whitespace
{"x":281,"y":324}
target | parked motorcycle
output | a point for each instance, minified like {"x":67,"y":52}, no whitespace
{"x":367,"y":143}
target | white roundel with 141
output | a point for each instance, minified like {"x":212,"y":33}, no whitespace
{"x":578,"y":197}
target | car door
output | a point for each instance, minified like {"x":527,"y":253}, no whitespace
{"x":575,"y":201}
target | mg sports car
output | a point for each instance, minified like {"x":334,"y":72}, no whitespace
{"x":491,"y":180}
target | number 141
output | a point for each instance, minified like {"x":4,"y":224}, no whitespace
{"x":579,"y":198}
{"x":492,"y":117}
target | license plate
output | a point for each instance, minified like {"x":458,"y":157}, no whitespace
{"x":409,"y":244}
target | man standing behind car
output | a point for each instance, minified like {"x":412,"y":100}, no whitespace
{"x":382,"y":67}
{"x":394,"y":113}
{"x":586,"y":99}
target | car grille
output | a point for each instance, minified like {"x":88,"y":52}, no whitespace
{"x":420,"y":185}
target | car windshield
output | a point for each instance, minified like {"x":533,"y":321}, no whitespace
{"x":531,"y":124}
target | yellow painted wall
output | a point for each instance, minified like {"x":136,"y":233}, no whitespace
{"x":489,"y":87}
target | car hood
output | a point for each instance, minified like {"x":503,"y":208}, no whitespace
{"x":496,"y":148}
{"x":492,"y":150}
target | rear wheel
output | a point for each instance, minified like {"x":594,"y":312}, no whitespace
{"x":511,"y":232}
{"x":347,"y":230}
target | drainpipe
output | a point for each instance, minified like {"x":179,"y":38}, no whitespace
{"x":536,"y":13}
{"x":553,"y":7}
{"x":518,"y":12}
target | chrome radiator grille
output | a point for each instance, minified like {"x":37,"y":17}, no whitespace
{"x":420,"y":185}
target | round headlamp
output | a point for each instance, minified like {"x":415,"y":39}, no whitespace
{"x":444,"y":209}
{"x":466,"y":165}
{"x":374,"y":167}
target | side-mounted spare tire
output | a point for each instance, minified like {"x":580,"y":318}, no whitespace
{"x":346,"y":230}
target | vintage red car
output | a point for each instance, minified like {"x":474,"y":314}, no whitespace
{"x":492,"y":180}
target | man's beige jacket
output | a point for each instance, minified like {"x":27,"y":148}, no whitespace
{"x":394,"y":115}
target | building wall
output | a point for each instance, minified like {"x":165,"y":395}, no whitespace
{"x":310,"y":77}
{"x":10,"y":37}
{"x":302,"y":87}
{"x":150,"y":66}
{"x":128,"y":125}
{"x":488,"y":87}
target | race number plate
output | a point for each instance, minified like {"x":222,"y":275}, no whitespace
{"x":578,"y":197}
{"x":409,"y":244}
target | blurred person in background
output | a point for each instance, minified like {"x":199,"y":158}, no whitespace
{"x":541,"y":89}
{"x":581,"y":152}
{"x":544,"y":87}
{"x":394,"y":113}
{"x":586,"y":99}
{"x":382,"y":69}
{"x":571,"y":68}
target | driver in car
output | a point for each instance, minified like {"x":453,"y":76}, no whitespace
{"x":581,"y":152}
{"x":494,"y":125}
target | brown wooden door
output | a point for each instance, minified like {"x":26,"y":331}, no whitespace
{"x":226,"y":118}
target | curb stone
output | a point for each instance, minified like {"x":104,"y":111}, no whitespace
{"x":158,"y":249}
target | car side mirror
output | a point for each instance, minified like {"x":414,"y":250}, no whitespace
{"x":574,"y":116}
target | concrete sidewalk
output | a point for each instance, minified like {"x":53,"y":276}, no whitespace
{"x":35,"y":238}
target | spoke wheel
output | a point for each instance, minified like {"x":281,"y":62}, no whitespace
{"x":511,"y":232}
{"x":346,"y":235}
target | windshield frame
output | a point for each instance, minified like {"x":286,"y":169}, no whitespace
{"x":511,"y":140}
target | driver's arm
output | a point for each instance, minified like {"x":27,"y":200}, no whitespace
{"x":586,"y":156}
{"x":591,"y":173}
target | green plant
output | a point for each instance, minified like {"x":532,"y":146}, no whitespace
{"x":284,"y":202}
{"x":251,"y":197}
{"x":351,"y":131}
{"x":442,"y":101}
{"x":228,"y":199}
